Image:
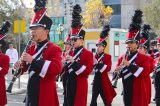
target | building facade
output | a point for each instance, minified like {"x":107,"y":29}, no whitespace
{"x":127,"y":10}
{"x":123,"y":11}
{"x":61,"y":14}
{"x":115,"y":21}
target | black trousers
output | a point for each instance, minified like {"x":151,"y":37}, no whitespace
{"x":157,"y":89}
{"x":64,"y":81}
{"x":96,"y":90}
{"x":71,"y":86}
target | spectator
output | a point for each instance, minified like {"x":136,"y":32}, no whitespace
{"x":12,"y":53}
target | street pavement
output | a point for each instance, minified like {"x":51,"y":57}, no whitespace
{"x":18,"y":94}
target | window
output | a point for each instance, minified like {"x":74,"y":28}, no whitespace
{"x":54,"y":36}
{"x":116,"y":9}
{"x":116,"y":17}
{"x":112,"y":1}
{"x":58,"y":20}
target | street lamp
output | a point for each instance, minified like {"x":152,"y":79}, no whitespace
{"x":60,"y":29}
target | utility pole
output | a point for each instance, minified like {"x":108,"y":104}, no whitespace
{"x":23,"y":12}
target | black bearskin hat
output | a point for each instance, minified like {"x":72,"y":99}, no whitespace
{"x":103,"y":36}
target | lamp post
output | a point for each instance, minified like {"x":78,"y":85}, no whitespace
{"x":60,"y":30}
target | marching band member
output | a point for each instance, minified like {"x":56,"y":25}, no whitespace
{"x":103,"y":63}
{"x":43,"y":61}
{"x":4,"y":65}
{"x":80,"y":64}
{"x":143,"y":48}
{"x":155,"y":55}
{"x":64,"y":75}
{"x":134,"y":68}
{"x":157,"y":77}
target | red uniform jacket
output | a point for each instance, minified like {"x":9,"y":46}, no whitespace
{"x":108,"y":90}
{"x":139,"y":92}
{"x":50,"y":66}
{"x":4,"y":67}
{"x":86,"y":62}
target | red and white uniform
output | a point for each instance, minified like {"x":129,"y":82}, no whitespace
{"x":4,"y":67}
{"x":86,"y":59}
{"x":41,"y":88}
{"x":82,"y":68}
{"x":134,"y":80}
{"x":108,"y":90}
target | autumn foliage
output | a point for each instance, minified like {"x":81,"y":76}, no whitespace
{"x":96,"y":14}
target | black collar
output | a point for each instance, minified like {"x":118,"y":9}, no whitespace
{"x":99,"y":55}
{"x":77,"y":49}
{"x":132,"y":54}
{"x":40,"y":44}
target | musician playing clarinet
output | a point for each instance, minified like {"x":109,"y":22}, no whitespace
{"x":80,"y":64}
{"x":103,"y":63}
{"x":134,"y":67}
{"x":64,"y":74}
{"x":43,"y":61}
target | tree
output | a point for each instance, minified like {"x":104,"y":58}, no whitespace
{"x":96,"y":14}
{"x":15,"y":10}
{"x":55,"y":8}
{"x":152,"y":14}
{"x":9,"y":10}
{"x":61,"y":44}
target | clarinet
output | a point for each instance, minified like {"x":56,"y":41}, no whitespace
{"x":69,"y":52}
{"x":17,"y":72}
{"x":67,"y":63}
{"x":99,"y":59}
{"x":114,"y":85}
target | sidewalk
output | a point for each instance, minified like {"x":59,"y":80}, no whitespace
{"x":23,"y":83}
